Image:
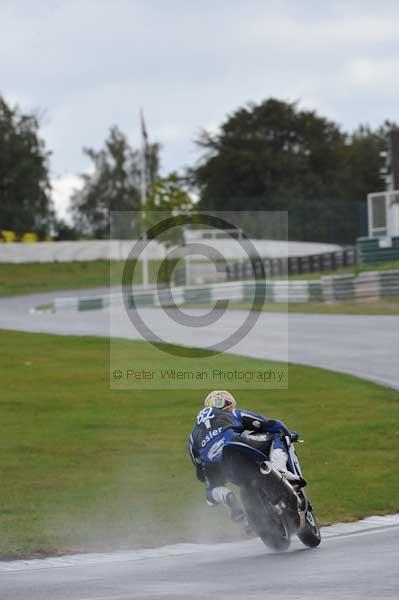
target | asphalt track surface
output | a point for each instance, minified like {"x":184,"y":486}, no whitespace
{"x":354,"y":562}
{"x":363,"y":345}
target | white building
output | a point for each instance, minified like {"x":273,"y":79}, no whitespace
{"x":383,"y":214}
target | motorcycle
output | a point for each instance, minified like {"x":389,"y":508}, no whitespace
{"x":276,"y":507}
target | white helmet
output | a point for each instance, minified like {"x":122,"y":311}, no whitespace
{"x":220,"y":399}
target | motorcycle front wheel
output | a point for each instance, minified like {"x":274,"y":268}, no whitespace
{"x":310,"y":533}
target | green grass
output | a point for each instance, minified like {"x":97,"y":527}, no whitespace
{"x":386,"y":306}
{"x":17,"y":279}
{"x":31,"y":278}
{"x":84,"y":467}
{"x":384,"y":266}
{"x":381,"y":307}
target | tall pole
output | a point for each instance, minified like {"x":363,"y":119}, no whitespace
{"x":143,"y":193}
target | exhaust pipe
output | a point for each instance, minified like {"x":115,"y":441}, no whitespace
{"x":265,"y":468}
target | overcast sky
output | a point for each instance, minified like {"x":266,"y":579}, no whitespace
{"x":89,"y":64}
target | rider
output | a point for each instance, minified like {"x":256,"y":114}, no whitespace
{"x":219,"y":421}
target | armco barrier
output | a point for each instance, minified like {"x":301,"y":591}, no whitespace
{"x":340,"y":287}
{"x":88,"y":250}
{"x":293,"y":265}
{"x":389,"y":283}
{"x":366,"y":287}
{"x":243,"y":291}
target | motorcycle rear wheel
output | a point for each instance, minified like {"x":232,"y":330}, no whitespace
{"x":272,"y":531}
{"x":278,"y":539}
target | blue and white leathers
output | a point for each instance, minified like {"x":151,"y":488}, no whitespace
{"x":215,"y":427}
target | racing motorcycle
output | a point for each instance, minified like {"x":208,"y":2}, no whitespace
{"x":276,"y":507}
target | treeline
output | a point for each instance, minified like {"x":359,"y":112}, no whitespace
{"x":25,"y":204}
{"x":273,"y":156}
{"x":267,"y":156}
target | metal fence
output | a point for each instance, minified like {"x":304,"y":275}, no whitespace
{"x":293,"y":265}
{"x":365,"y":287}
{"x":377,"y":250}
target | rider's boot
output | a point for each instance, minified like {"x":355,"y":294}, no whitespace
{"x":223,"y":495}
{"x":236,"y":512}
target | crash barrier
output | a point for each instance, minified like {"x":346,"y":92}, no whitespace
{"x":368,"y":286}
{"x":276,"y":291}
{"x":85,"y":250}
{"x":293,"y":265}
{"x":377,"y":250}
{"x":88,"y":250}
{"x":365,"y":287}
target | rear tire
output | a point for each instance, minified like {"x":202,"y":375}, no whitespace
{"x":276,"y":540}
{"x":310,"y":534}
{"x":269,"y":526}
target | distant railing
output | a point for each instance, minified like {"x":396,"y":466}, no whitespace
{"x":369,"y":286}
{"x":293,"y":265}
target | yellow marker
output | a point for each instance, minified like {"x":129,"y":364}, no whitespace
{"x":29,"y":238}
{"x":8,"y":236}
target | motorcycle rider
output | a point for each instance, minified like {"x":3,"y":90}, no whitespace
{"x":220,"y":420}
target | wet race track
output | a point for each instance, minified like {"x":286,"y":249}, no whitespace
{"x":354,"y":561}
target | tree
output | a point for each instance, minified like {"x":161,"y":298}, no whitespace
{"x":25,"y":203}
{"x":273,"y":156}
{"x":114,"y":184}
{"x":166,"y":198}
{"x":64,"y":232}
{"x":364,"y":160}
{"x":266,"y":149}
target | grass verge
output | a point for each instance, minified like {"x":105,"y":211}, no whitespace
{"x":87,"y":468}
{"x":32,"y":278}
{"x":380,"y":307}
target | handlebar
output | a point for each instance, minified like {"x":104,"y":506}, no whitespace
{"x":294,"y":436}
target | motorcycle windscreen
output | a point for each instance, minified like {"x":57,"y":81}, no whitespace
{"x":212,"y":450}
